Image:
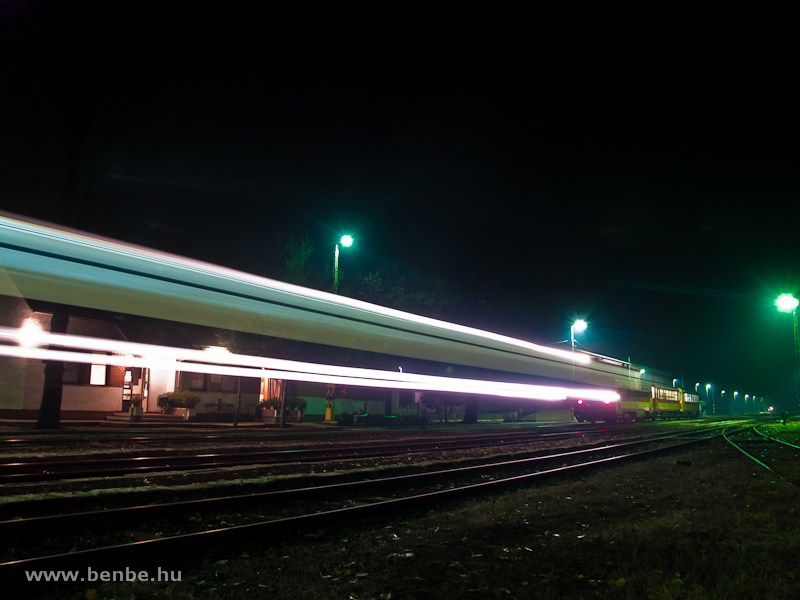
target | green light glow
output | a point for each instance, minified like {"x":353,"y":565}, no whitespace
{"x":346,"y":241}
{"x":580,"y":325}
{"x":786,"y":303}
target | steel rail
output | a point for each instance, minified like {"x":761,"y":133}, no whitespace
{"x":36,"y":470}
{"x":84,"y":521}
{"x":774,"y":439}
{"x":273,"y":436}
{"x":131,"y":554}
{"x":739,"y":448}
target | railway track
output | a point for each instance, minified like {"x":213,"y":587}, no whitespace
{"x":38,"y":469}
{"x":761,"y":446}
{"x":242,"y":518}
{"x":101,"y":439}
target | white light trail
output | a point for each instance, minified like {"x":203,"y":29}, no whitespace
{"x":189,"y":360}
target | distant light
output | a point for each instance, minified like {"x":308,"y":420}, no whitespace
{"x":708,"y":385}
{"x":580,"y":401}
{"x":216,"y":350}
{"x":641,"y":372}
{"x":30,"y":334}
{"x":579,"y":325}
{"x":786,"y":303}
{"x":346,"y":241}
{"x":771,"y":408}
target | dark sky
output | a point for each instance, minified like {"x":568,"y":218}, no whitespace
{"x":650,"y":188}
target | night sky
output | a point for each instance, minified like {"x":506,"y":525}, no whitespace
{"x":650,"y":191}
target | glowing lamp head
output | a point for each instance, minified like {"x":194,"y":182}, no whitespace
{"x":786,"y":303}
{"x":346,"y":241}
{"x":216,"y":350}
{"x":579,"y":325}
{"x":30,"y":334}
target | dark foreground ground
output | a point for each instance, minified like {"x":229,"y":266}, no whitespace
{"x":697,"y":524}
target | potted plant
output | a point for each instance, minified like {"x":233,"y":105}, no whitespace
{"x":269,"y":407}
{"x":136,"y":408}
{"x":183,"y":403}
{"x":295,"y":408}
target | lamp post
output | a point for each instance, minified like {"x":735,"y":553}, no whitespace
{"x":744,"y":410}
{"x":708,"y":391}
{"x":345,"y":241}
{"x":579,"y":325}
{"x":788,"y":303}
{"x":722,"y":400}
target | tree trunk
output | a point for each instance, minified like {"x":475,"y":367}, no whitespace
{"x":50,"y":408}
{"x":238,"y":404}
{"x":282,"y":405}
{"x":471,"y":412}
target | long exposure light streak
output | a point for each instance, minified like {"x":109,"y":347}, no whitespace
{"x":189,"y":360}
{"x":48,"y":247}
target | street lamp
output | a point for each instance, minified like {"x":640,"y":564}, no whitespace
{"x":744,"y":411}
{"x":788,"y":303}
{"x":345,"y":241}
{"x":579,"y":325}
{"x":708,"y":391}
{"x":722,"y":400}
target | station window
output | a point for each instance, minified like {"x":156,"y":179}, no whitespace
{"x":97,"y":375}
{"x":230,"y":384}
{"x":86,"y":374}
{"x":197,"y":382}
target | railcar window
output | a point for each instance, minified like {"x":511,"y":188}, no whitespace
{"x":668,"y":395}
